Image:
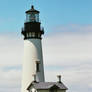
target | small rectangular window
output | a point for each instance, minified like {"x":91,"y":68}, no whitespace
{"x":37,"y":67}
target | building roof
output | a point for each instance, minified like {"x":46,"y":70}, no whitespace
{"x":47,"y":85}
{"x":32,"y":10}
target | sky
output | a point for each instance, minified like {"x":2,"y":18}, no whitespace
{"x":67,"y":43}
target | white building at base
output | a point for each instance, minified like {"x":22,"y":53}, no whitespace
{"x":47,"y":87}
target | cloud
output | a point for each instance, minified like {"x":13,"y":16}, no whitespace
{"x":11,"y":51}
{"x":74,"y":28}
{"x":67,"y":53}
{"x":68,"y":48}
{"x":10,"y":62}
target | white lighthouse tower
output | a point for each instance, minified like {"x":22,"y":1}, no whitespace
{"x":33,"y":57}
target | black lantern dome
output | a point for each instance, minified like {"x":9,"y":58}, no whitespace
{"x":32,"y":28}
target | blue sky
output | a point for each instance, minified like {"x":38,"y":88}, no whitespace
{"x":67,"y":43}
{"x":53,"y":13}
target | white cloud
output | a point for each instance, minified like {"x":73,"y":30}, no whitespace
{"x":11,"y":49}
{"x":74,"y":28}
{"x":69,"y":53}
{"x":66,"y":53}
{"x":68,"y":48}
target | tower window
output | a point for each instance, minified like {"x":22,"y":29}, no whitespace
{"x":33,"y":34}
{"x":30,"y":34}
{"x":37,"y":67}
{"x":39,"y":35}
{"x":27,"y":35}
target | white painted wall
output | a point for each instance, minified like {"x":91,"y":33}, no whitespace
{"x":32,"y":53}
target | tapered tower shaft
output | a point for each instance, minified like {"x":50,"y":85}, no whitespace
{"x":33,"y":57}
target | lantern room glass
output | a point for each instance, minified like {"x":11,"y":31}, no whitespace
{"x":32,"y":17}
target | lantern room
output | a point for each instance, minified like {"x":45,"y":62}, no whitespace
{"x":32,"y":26}
{"x":32,"y":15}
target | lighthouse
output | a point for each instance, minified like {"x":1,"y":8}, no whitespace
{"x":33,"y":58}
